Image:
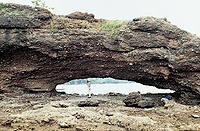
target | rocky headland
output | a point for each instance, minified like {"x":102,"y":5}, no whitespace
{"x":39,"y":50}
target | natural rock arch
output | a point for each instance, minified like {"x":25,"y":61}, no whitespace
{"x":37,"y":56}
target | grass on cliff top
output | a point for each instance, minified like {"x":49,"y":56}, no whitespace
{"x":1,"y":5}
{"x":110,"y":25}
{"x":107,"y":26}
{"x":7,"y":8}
{"x":61,"y":22}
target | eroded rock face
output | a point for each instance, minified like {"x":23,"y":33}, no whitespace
{"x":82,"y":16}
{"x":21,"y":17}
{"x":135,"y":99}
{"x":147,"y":50}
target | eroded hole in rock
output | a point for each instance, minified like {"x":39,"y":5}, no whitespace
{"x":107,"y":85}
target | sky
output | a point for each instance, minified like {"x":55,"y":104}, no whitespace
{"x":183,"y":13}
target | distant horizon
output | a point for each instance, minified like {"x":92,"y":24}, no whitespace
{"x":107,"y":80}
{"x":125,"y":88}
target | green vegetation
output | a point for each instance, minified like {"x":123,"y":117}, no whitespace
{"x":111,"y":26}
{"x":52,"y":25}
{"x":7,"y":9}
{"x":61,"y":21}
{"x":39,"y":3}
{"x":2,"y":5}
{"x":96,"y":81}
{"x":85,"y":25}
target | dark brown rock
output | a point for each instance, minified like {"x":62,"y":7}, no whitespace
{"x":145,"y":103}
{"x":86,"y":103}
{"x":82,"y":16}
{"x":133,"y":99}
{"x":18,"y":21}
{"x":22,"y":17}
{"x":147,"y":50}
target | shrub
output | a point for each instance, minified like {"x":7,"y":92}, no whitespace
{"x":39,"y":3}
{"x":2,"y":5}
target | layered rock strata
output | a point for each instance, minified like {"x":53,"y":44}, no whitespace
{"x":39,"y":50}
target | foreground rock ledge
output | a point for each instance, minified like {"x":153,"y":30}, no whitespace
{"x":147,"y":50}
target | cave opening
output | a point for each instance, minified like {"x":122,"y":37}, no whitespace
{"x":107,"y":85}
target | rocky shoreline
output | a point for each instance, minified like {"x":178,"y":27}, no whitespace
{"x":39,"y":50}
{"x":53,"y":111}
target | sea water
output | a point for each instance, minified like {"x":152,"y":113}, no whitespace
{"x":106,"y":88}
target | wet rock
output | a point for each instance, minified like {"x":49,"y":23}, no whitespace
{"x":88,"y":103}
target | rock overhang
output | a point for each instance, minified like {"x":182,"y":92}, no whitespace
{"x":37,"y":56}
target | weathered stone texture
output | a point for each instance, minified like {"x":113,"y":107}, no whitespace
{"x":147,"y":50}
{"x":22,"y":17}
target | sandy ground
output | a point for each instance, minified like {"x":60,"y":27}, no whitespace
{"x":47,"y":112}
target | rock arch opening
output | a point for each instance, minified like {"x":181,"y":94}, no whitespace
{"x":147,"y":50}
{"x":107,"y":85}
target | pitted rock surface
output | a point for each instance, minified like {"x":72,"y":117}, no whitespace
{"x":42,"y":54}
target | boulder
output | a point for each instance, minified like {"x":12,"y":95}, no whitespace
{"x":133,"y":99}
{"x":88,"y":103}
{"x":82,"y":16}
{"x":145,"y":103}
